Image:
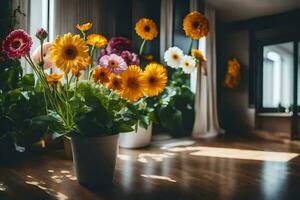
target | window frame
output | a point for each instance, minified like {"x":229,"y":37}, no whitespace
{"x":259,"y":70}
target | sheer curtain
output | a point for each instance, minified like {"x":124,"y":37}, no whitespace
{"x":166,"y":26}
{"x":66,"y":14}
{"x":206,"y":119}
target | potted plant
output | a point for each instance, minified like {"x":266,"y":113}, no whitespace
{"x":19,"y":107}
{"x":91,"y":111}
{"x":176,"y":109}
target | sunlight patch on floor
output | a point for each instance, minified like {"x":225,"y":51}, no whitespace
{"x":43,"y":186}
{"x":237,"y":153}
{"x":2,"y":187}
{"x":158,"y":157}
{"x":165,"y":178}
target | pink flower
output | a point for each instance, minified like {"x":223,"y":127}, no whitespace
{"x":118,"y":44}
{"x":17,"y":44}
{"x":114,"y":63}
{"x":130,"y":58}
{"x":46,"y":53}
{"x":41,"y":34}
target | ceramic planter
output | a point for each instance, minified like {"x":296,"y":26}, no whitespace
{"x":138,"y":139}
{"x":94,"y":159}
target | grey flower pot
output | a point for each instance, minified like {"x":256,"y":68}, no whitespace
{"x":94,"y":159}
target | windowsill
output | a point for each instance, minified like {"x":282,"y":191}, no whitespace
{"x":274,"y":114}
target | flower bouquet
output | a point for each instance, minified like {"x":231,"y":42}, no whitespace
{"x":153,"y":81}
{"x":92,"y":110}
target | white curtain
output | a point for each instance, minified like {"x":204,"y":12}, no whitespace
{"x":23,"y":23}
{"x":206,"y":118}
{"x":67,"y":13}
{"x":166,"y":26}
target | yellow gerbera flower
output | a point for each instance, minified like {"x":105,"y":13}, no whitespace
{"x":146,"y":29}
{"x":84,"y":27}
{"x":156,"y":78}
{"x":69,"y":52}
{"x":97,"y":40}
{"x":54,"y":78}
{"x":133,"y":83}
{"x":195,"y":25}
{"x":115,"y":83}
{"x":196,"y":53}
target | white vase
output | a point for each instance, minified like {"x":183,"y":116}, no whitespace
{"x":138,"y":139}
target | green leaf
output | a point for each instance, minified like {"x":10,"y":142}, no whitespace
{"x":171,"y":119}
{"x":28,"y":81}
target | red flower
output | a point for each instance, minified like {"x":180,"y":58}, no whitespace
{"x":17,"y":44}
{"x":118,"y":44}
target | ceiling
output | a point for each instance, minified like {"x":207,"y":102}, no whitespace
{"x":235,"y":10}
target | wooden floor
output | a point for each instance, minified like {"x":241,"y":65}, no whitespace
{"x":169,"y":173}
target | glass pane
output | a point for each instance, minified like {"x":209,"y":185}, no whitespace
{"x":298,"y":75}
{"x":278,"y":76}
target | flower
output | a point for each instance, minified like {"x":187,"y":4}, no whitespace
{"x":233,"y":74}
{"x":149,"y":57}
{"x":233,"y":67}
{"x":146,"y":29}
{"x":188,"y":64}
{"x":76,"y":72}
{"x":118,"y":44}
{"x":196,"y":53}
{"x":130,"y":58}
{"x":156,"y":78}
{"x":36,"y":56}
{"x":114,"y":63}
{"x":195,"y":25}
{"x":97,"y":40}
{"x":41,"y":34}
{"x":54,"y":78}
{"x":84,"y":27}
{"x":133,"y":83}
{"x":173,"y":57}
{"x":17,"y":44}
{"x":101,"y":74}
{"x":69,"y":51}
{"x":115,"y":83}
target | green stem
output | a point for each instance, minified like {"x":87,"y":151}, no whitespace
{"x":142,"y":47}
{"x":42,"y":56}
{"x":92,"y":63}
{"x":190,"y":47}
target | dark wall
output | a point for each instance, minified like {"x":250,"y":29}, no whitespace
{"x":147,"y":9}
{"x":239,"y":40}
{"x":4,"y":17}
{"x":235,"y":115}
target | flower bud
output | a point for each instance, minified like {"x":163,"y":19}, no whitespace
{"x":41,"y":34}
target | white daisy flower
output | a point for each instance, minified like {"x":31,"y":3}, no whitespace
{"x":173,"y":57}
{"x":188,"y":64}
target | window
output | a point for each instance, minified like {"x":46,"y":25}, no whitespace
{"x":277,"y":83}
{"x":278,"y":77}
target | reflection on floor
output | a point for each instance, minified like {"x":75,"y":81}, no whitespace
{"x":237,"y":153}
{"x":181,"y":169}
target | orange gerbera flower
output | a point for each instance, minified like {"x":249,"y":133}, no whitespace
{"x":133,"y":83}
{"x":96,"y":40}
{"x":101,"y":74}
{"x":195,"y":25}
{"x":84,"y":27}
{"x":155,"y":76}
{"x":196,"y":53}
{"x":53,"y":78}
{"x":115,"y":83}
{"x":146,"y":29}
